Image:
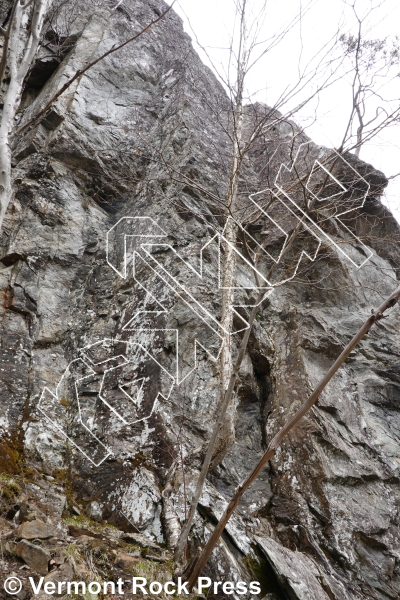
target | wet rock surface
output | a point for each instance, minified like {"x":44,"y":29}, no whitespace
{"x":323,"y":519}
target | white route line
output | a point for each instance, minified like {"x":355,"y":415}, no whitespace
{"x":336,"y":217}
{"x":87,"y":362}
{"x":154,"y":237}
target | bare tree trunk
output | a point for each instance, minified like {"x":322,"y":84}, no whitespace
{"x":276,"y":441}
{"x":9,"y":108}
{"x":171,"y":521}
{"x":224,"y":429}
{"x":20,"y":57}
{"x":6,"y":34}
{"x":226,"y":435}
{"x":230,"y":230}
{"x":360,"y":129}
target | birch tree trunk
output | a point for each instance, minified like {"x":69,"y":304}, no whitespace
{"x":227,"y":430}
{"x":224,"y":429}
{"x":22,"y":41}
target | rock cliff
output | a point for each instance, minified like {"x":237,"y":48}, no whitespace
{"x":92,"y":418}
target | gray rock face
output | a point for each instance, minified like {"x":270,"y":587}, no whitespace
{"x":296,"y":573}
{"x":87,"y":354}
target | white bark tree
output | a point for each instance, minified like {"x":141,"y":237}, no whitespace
{"x":21,"y":42}
{"x":244,"y":56}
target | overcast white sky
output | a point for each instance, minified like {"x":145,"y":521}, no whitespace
{"x":210,"y":23}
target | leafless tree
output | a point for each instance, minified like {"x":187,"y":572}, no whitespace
{"x":244,"y":55}
{"x":236,"y":214}
{"x":374,"y":63}
{"x":247,"y":127}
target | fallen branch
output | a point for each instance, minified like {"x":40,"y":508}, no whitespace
{"x":200,"y":563}
{"x":81,"y":72}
